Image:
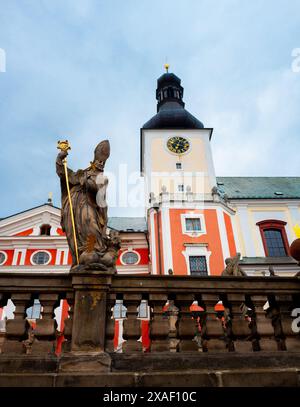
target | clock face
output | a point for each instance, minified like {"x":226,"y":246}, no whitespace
{"x":178,"y":145}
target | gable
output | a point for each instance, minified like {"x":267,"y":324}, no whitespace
{"x":28,"y":223}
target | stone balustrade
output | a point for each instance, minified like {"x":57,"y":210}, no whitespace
{"x":199,"y":324}
{"x":19,"y":336}
{"x":186,"y":314}
{"x":213,"y":314}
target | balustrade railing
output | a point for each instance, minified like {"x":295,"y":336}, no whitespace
{"x":211,"y":314}
{"x":185,"y":313}
{"x":22,"y":335}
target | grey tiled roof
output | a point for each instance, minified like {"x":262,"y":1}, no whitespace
{"x":127,"y":224}
{"x":259,"y":187}
{"x":266,"y":260}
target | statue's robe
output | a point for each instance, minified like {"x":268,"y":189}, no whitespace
{"x":90,"y":219}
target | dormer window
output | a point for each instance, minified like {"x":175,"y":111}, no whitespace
{"x":45,"y":230}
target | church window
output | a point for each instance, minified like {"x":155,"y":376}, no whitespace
{"x":198,"y":265}
{"x":274,"y":238}
{"x":130,"y":257}
{"x":40,"y":257}
{"x":192,"y":224}
{"x":178,"y":166}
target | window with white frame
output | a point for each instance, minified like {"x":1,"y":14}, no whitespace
{"x":130,"y":257}
{"x":197,"y":259}
{"x":178,"y":166}
{"x":193,"y":224}
{"x":40,"y":257}
{"x":180,"y":188}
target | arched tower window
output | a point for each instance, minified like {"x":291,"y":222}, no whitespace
{"x":45,"y":230}
{"x":274,"y":238}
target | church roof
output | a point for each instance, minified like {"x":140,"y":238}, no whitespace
{"x":173,"y":116}
{"x":128,"y":224}
{"x":124,"y":224}
{"x":260,"y":187}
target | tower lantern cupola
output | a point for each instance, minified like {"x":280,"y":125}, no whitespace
{"x":171,"y":113}
{"x":169,"y":90}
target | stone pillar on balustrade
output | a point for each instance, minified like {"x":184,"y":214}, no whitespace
{"x":87,"y":351}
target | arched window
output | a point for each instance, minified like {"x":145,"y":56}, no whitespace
{"x":274,"y":238}
{"x":45,"y":230}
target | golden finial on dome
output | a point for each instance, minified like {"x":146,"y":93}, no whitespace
{"x":167,"y":67}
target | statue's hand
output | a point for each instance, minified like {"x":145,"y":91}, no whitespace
{"x":63,"y":154}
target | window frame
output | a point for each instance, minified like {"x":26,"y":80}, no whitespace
{"x":43,"y":264}
{"x":130,"y":264}
{"x":5,"y":258}
{"x":193,"y":220}
{"x":277,"y":225}
{"x":195,"y":233}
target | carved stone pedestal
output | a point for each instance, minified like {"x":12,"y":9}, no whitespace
{"x":89,"y":318}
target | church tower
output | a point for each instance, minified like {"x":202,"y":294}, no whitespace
{"x":189,"y":223}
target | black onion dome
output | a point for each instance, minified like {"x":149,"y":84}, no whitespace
{"x":170,"y":106}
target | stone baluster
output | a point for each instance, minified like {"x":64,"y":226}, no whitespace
{"x":286,"y":304}
{"x":132,"y":325}
{"x":186,"y":328}
{"x":274,"y":314}
{"x":240,"y":333}
{"x":173,"y":317}
{"x":249,"y":312}
{"x":110,"y":323}
{"x":66,"y":346}
{"x":45,"y":330}
{"x":265,"y":331}
{"x":159,"y":324}
{"x":212,"y":332}
{"x":17,"y":328}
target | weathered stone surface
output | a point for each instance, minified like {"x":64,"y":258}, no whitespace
{"x":95,"y":380}
{"x":82,"y":362}
{"x":260,"y":378}
{"x":210,"y":361}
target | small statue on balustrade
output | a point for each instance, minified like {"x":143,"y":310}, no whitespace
{"x":232,"y":266}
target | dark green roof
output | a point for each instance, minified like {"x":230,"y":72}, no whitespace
{"x":259,"y":187}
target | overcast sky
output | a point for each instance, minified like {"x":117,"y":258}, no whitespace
{"x":87,"y":70}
